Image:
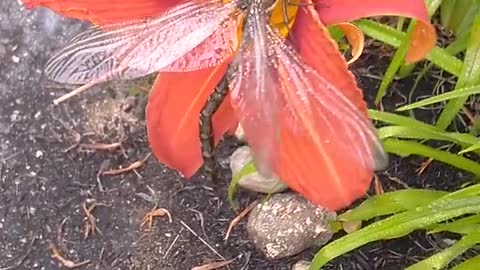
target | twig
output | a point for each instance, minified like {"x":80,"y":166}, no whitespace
{"x":377,"y":186}
{"x":214,"y":265}
{"x":237,"y":219}
{"x":103,"y":167}
{"x":65,"y":262}
{"x":398,"y":181}
{"x":101,"y":146}
{"x":135,"y":165}
{"x":173,"y":243}
{"x":248,"y":256}
{"x":203,"y":241}
{"x":100,"y":258}
{"x":202,"y":221}
{"x":424,"y":166}
{"x":155,"y":212}
{"x":74,"y":92}
{"x":60,"y":231}
{"x":90,"y":221}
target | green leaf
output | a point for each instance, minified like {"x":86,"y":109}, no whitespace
{"x":469,"y":76}
{"x":393,"y":37}
{"x":406,"y":132}
{"x":411,"y":127}
{"x":407,"y":148}
{"x":397,"y":61}
{"x":470,"y":149}
{"x":249,"y":168}
{"x":472,"y":190}
{"x":432,"y":6}
{"x":461,"y":226}
{"x":442,"y":259}
{"x":397,"y":226}
{"x":457,"y":16}
{"x":471,"y":264}
{"x":390,"y":203}
{"x":335,"y":33}
{"x":462,"y":93}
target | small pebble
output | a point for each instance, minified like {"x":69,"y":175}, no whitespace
{"x":301,"y":265}
{"x":287,"y":224}
{"x":15,"y":59}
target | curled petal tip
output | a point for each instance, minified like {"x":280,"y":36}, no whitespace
{"x":424,"y":39}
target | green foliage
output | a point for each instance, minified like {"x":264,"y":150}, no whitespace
{"x":471,"y":264}
{"x":412,"y":210}
{"x":442,"y":259}
{"x":458,"y":15}
{"x":249,"y":168}
{"x":469,"y":75}
{"x":404,"y":137}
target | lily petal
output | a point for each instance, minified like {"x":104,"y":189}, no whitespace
{"x":423,"y":38}
{"x":326,"y":177}
{"x":105,"y":11}
{"x":173,"y":110}
{"x":356,"y":39}
{"x":320,"y":52}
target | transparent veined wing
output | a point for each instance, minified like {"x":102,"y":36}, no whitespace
{"x":299,"y":125}
{"x":134,"y":49}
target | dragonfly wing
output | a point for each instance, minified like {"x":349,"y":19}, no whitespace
{"x":134,"y":49}
{"x":299,"y":125}
{"x":218,"y":47}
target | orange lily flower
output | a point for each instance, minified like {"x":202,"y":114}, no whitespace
{"x":326,"y":152}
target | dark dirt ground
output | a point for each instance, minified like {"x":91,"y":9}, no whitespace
{"x":42,"y":186}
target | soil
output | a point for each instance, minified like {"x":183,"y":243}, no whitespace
{"x":46,"y":177}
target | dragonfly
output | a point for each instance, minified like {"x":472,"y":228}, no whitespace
{"x":275,"y":93}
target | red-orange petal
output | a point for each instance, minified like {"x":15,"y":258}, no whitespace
{"x":173,"y":110}
{"x":336,"y":11}
{"x":423,"y":38}
{"x":326,"y":177}
{"x":105,"y":11}
{"x":355,"y":38}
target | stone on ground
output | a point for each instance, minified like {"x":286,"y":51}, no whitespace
{"x":287,"y":224}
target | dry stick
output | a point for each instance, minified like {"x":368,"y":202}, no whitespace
{"x":86,"y":86}
{"x":173,"y":243}
{"x":202,"y":221}
{"x":377,"y":185}
{"x":60,"y":231}
{"x":101,"y":146}
{"x":90,"y":222}
{"x":214,"y":265}
{"x":237,"y":219}
{"x":100,"y":258}
{"x":75,"y":92}
{"x":135,"y":165}
{"x":423,"y":166}
{"x":203,"y":241}
{"x":155,"y":212}
{"x":398,"y":181}
{"x":65,"y":262}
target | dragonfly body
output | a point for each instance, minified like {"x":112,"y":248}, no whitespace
{"x":252,"y":8}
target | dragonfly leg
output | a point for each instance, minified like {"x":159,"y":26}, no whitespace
{"x":206,"y":127}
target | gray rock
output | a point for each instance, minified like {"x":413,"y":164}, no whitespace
{"x":254,"y":181}
{"x":301,"y":265}
{"x":287,"y":224}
